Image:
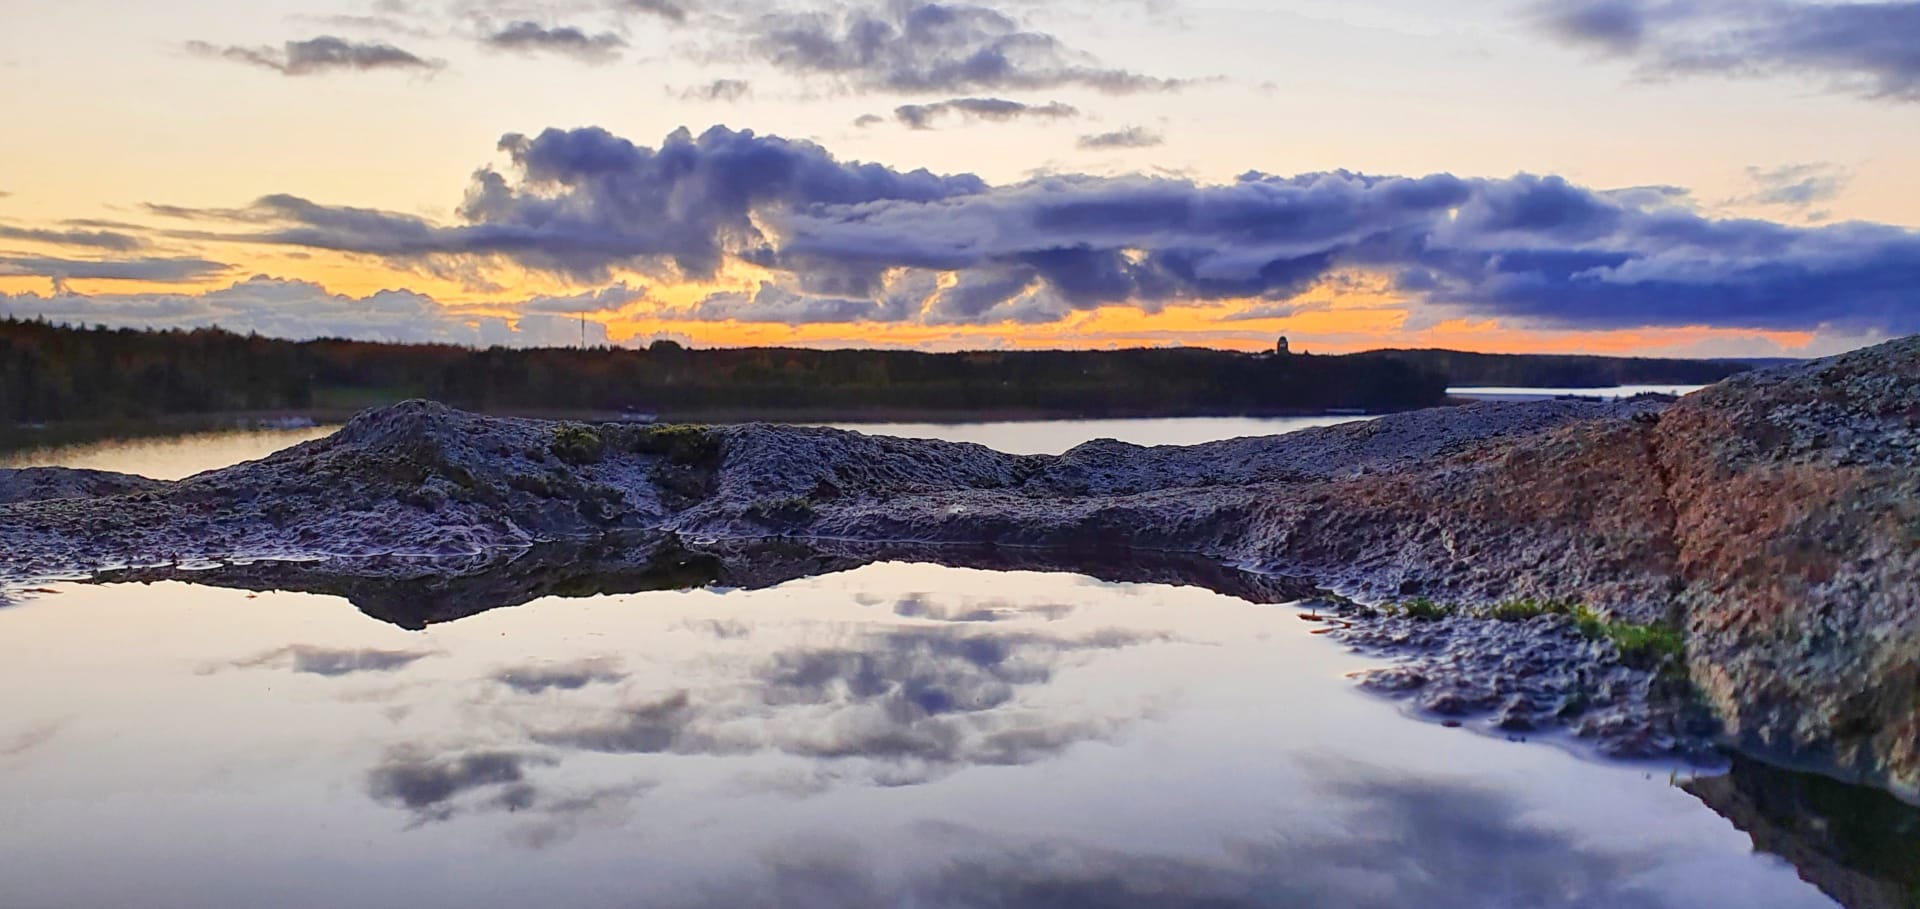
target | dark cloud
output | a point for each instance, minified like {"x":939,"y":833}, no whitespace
{"x":1131,"y":137}
{"x":665,"y":9}
{"x":573,"y":677}
{"x":1866,"y":49}
{"x":114,"y":240}
{"x":333,"y":663}
{"x":428,"y":785}
{"x":437,"y":787}
{"x":587,"y":200}
{"x":922,"y":116}
{"x":719,"y":90}
{"x":916,"y":46}
{"x":1615,"y":26}
{"x":531,"y":37}
{"x":156,"y":269}
{"x":863,"y":242}
{"x":319,"y":55}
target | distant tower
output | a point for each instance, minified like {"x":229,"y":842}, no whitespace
{"x":1282,"y":349}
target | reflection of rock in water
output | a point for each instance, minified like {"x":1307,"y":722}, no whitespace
{"x":415,"y":593}
{"x":1858,"y":845}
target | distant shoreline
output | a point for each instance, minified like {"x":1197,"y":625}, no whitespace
{"x":58,"y":434}
{"x":24,"y":437}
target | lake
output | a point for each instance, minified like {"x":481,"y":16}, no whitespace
{"x":1536,"y":394}
{"x":178,"y":456}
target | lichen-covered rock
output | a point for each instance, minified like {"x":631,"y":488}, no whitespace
{"x":1797,"y":506}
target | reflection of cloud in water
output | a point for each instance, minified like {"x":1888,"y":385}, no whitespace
{"x":921,"y":702}
{"x":562,"y":677}
{"x":33,"y":737}
{"x":436,"y":787}
{"x":725,"y":630}
{"x":918,"y":606}
{"x":648,"y":728}
{"x":1406,"y":843}
{"x":429,"y":784}
{"x":330,"y":663}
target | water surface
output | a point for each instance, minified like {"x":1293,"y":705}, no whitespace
{"x":899,"y":735}
{"x":1538,"y":394}
{"x":167,"y":457}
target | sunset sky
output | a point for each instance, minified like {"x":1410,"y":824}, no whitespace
{"x":1669,"y":177}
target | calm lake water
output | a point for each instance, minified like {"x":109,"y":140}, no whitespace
{"x":1535,"y":394}
{"x":897,"y":736}
{"x":175,"y":457}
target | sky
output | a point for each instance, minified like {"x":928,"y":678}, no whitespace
{"x":1652,"y":177}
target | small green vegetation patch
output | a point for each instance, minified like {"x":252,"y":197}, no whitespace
{"x":577,"y":445}
{"x":686,"y":446}
{"x":1422,"y":609}
{"x":1649,"y":647}
{"x":1526,"y":609}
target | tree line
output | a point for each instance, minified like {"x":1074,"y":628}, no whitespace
{"x":52,"y":372}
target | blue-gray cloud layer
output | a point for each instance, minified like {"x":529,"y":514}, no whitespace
{"x":918,"y":46}
{"x":850,"y":242}
{"x":531,"y":37}
{"x":1870,"y":49}
{"x":155,"y":269}
{"x":112,"y":240}
{"x":999,"y":110}
{"x":319,"y":55}
{"x":1131,"y":137}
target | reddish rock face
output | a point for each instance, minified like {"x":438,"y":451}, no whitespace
{"x":1797,"y":495}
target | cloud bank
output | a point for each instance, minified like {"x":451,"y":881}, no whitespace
{"x":531,"y":37}
{"x":301,"y":310}
{"x":1865,"y":49}
{"x":854,"y":242}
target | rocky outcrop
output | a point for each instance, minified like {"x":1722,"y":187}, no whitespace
{"x":39,"y":484}
{"x":1796,"y":496}
{"x":1774,"y":517}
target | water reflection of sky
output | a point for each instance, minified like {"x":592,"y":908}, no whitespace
{"x":896,"y":736}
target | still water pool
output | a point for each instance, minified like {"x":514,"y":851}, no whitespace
{"x":901,"y":735}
